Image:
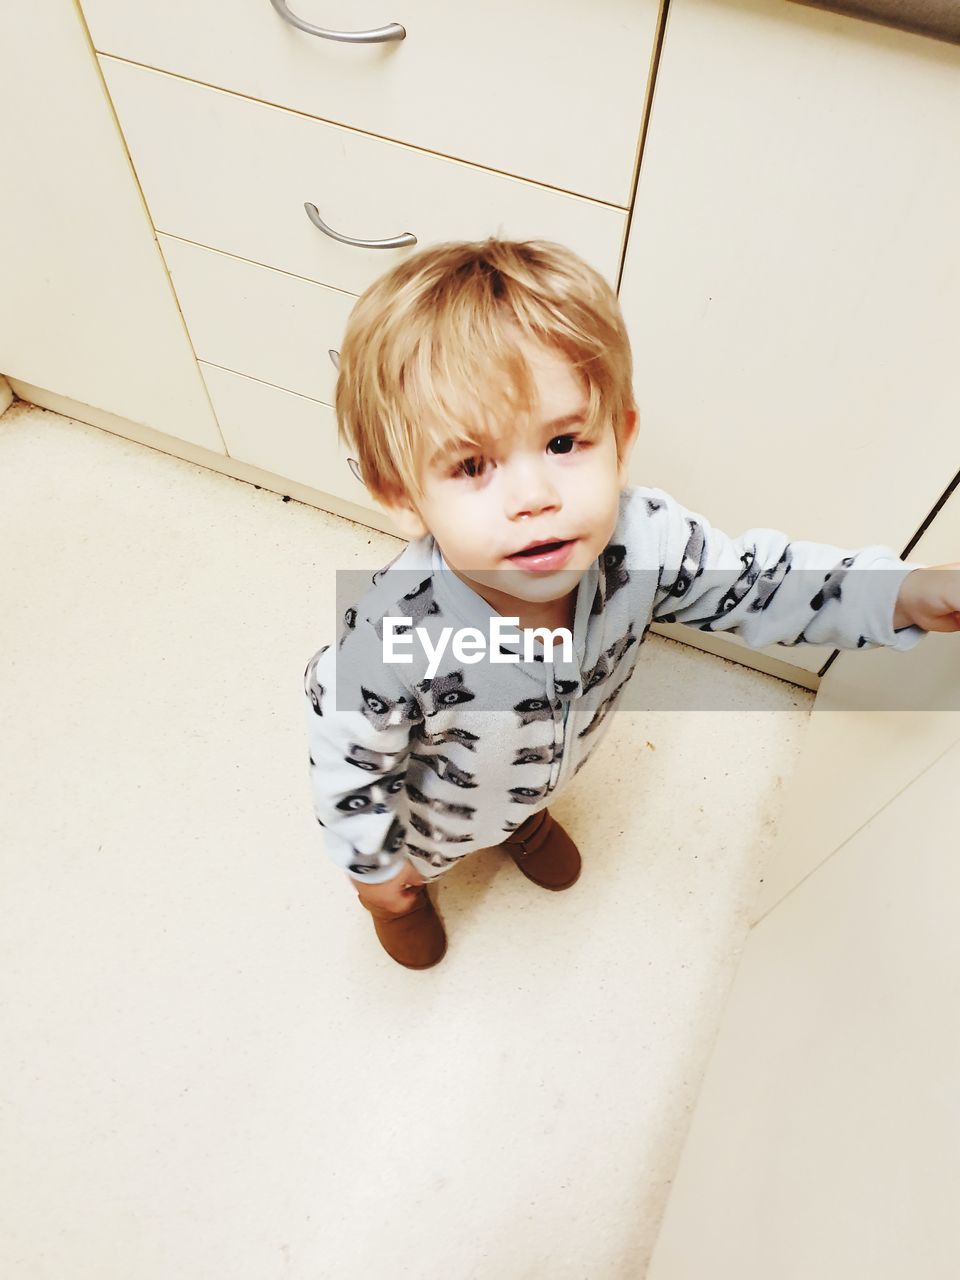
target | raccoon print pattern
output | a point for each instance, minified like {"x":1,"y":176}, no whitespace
{"x":565,"y":687}
{"x":440,"y":806}
{"x":444,"y":768}
{"x":767,"y":584}
{"x":831,"y":589}
{"x":771,"y":580}
{"x":379,"y":573}
{"x":415,"y":605}
{"x":439,"y":860}
{"x":606,"y":664}
{"x":311,"y":686}
{"x":620,"y":647}
{"x":732,"y":597}
{"x":691,"y":566}
{"x":463,"y":736}
{"x":742,"y":587}
{"x":531,"y":710}
{"x":349,"y":624}
{"x":420,"y":602}
{"x":597,"y":673}
{"x":445,"y":691}
{"x":615,"y":574}
{"x":364,"y":863}
{"x":436,"y":833}
{"x":372,"y":761}
{"x":538,"y":755}
{"x":601,"y":712}
{"x":374,"y":797}
{"x":527,"y":795}
{"x":383,"y":712}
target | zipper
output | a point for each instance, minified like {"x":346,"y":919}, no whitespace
{"x":559,"y":740}
{"x":560,"y":768}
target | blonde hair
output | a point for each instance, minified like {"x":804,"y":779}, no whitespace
{"x":429,"y":357}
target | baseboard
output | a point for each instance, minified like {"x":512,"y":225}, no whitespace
{"x":735,"y":651}
{"x":189,"y":452}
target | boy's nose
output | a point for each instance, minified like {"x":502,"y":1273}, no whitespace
{"x":529,"y":491}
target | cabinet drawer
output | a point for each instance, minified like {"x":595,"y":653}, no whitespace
{"x":234,"y":175}
{"x":257,"y":321}
{"x":282,"y":432}
{"x":551,"y":92}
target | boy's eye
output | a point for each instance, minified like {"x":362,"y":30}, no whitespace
{"x":565,"y":444}
{"x":470,"y":467}
{"x":473,"y":468}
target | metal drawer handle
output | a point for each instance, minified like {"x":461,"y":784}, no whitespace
{"x":395,"y":242}
{"x":392,"y":31}
{"x":352,"y":463}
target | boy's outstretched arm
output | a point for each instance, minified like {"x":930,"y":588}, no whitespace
{"x":358,"y":718}
{"x":769,"y":589}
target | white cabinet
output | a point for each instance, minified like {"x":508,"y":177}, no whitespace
{"x":264,"y":323}
{"x":88,"y":311}
{"x":548,"y":91}
{"x":284,"y":433}
{"x":792,"y":274}
{"x":235,"y":175}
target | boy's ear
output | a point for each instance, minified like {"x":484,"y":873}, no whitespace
{"x":405,"y":516}
{"x":629,"y":438}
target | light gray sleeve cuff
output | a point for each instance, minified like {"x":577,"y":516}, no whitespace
{"x":880,"y":586}
{"x":381,"y":875}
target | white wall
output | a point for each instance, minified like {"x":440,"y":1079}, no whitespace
{"x":825,"y":1144}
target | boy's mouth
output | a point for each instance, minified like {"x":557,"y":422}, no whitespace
{"x":544,"y":554}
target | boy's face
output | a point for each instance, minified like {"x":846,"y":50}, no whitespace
{"x":541,"y":481}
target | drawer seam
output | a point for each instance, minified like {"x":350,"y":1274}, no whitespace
{"x":377,"y":137}
{"x":264,"y":383}
{"x":265,"y":266}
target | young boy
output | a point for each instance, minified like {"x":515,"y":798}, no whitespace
{"x":487,"y":391}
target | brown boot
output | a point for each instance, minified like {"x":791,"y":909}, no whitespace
{"x":414,"y":938}
{"x":544,"y":852}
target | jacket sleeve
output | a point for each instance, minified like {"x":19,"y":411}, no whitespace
{"x":359,"y":715}
{"x":770,"y":590}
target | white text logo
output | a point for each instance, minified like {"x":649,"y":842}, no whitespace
{"x":469,"y":644}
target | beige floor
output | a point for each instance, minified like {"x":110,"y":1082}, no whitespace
{"x":211,"y":1072}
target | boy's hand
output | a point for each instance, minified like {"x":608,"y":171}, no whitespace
{"x":393,"y":895}
{"x":930,"y":598}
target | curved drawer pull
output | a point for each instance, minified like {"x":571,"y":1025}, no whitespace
{"x":354,"y":466}
{"x":393,"y":30}
{"x":334,"y":358}
{"x":395,"y":242}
